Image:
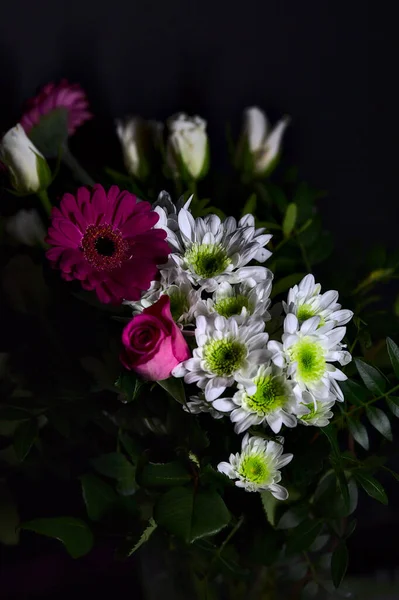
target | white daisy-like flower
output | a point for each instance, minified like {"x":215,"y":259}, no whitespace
{"x":211,"y":251}
{"x":317,"y":413}
{"x":243,"y":300}
{"x":184,"y":298}
{"x":256,"y":468}
{"x":307,"y":351}
{"x":266,"y":397}
{"x":198,"y":404}
{"x":305,"y":301}
{"x":168,"y":211}
{"x":225,"y":354}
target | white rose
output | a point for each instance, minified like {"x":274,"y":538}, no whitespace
{"x":29,"y":171}
{"x":26,"y":227}
{"x":263,"y":144}
{"x":138,"y":139}
{"x":188,"y":148}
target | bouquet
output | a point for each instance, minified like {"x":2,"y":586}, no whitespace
{"x":175,"y":380}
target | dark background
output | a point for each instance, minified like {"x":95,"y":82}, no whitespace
{"x":329,"y":64}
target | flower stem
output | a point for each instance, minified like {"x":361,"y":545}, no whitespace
{"x":45,"y":200}
{"x":78,"y":171}
{"x":372,"y":401}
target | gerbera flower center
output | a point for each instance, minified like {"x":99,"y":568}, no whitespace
{"x":224,"y":357}
{"x":104,"y":247}
{"x":227,"y":307}
{"x":255,"y":469}
{"x":310,"y":358}
{"x":207,"y":260}
{"x":270,"y":395}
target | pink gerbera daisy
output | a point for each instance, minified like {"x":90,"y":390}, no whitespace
{"x":107,"y":241}
{"x":63,"y":95}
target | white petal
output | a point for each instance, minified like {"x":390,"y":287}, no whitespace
{"x":306,"y":286}
{"x":256,"y":127}
{"x":275,"y":422}
{"x":284,"y":460}
{"x":290,"y":324}
{"x":310,"y":325}
{"x":328,"y":298}
{"x":223,"y":404}
{"x":226,"y":469}
{"x":342,"y":316}
{"x":279,"y":492}
{"x":213,"y":391}
{"x":187,"y":224}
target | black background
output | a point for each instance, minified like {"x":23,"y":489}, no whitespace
{"x":331,"y":65}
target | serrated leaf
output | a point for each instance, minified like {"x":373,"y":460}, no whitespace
{"x":372,"y":379}
{"x":164,"y":474}
{"x":73,"y":533}
{"x":393,"y":404}
{"x":98,"y":496}
{"x":303,"y":536}
{"x":145,"y":536}
{"x":285,"y":283}
{"x":175,"y":388}
{"x":393,"y":352}
{"x":270,"y":504}
{"x":359,"y":433}
{"x":24,"y":437}
{"x":371,"y":486}
{"x":380,"y":421}
{"x":289,"y":219}
{"x":339,"y":563}
{"x":191,"y":515}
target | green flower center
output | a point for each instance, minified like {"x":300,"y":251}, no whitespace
{"x":310,"y":358}
{"x":305,"y":312}
{"x":207,"y":260}
{"x":178,"y":303}
{"x":271,"y":394}
{"x":233,"y":305}
{"x":310,"y":415}
{"x":254,"y":469}
{"x":224,"y":357}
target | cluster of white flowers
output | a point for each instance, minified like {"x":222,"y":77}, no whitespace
{"x":222,"y":303}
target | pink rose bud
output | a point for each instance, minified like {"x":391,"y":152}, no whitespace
{"x":153,"y":343}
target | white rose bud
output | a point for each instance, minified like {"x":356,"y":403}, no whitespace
{"x":259,"y":148}
{"x":138,"y":138}
{"x":28,"y":169}
{"x":188,"y":147}
{"x":26,"y":227}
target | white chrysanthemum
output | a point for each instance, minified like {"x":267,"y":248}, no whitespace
{"x":211,"y":251}
{"x":305,"y":301}
{"x":243,"y":300}
{"x":198,"y":404}
{"x":266,"y":397}
{"x":184,"y":299}
{"x":307,"y":351}
{"x":315,"y":413}
{"x":168,"y":211}
{"x":256,"y":468}
{"x":225,"y":353}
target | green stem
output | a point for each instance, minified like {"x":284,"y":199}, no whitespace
{"x":356,"y":408}
{"x":226,"y":541}
{"x":78,"y":171}
{"x":45,"y":200}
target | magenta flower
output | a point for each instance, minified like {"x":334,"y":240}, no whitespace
{"x":107,"y":241}
{"x":53,"y":96}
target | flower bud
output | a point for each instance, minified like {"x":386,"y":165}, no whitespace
{"x":27,"y":167}
{"x":259,"y":148}
{"x":188,"y":147}
{"x":139,"y":139}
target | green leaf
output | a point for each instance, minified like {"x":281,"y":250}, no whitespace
{"x":131,"y":446}
{"x":285,"y":283}
{"x":354,"y":393}
{"x":270,"y":504}
{"x":278,"y":197}
{"x":372,"y":379}
{"x":371,"y":486}
{"x":145,"y":536}
{"x":9,"y":518}
{"x":166,"y":474}
{"x":24,"y":437}
{"x":393,"y":404}
{"x":339,"y":563}
{"x":191,"y":515}
{"x":350,"y":528}
{"x":117,"y":466}
{"x":249,"y":206}
{"x":73,"y":533}
{"x":393,"y":352}
{"x":51,"y":132}
{"x":175,"y":388}
{"x":129,"y":385}
{"x":359,"y":433}
{"x":98,"y":496}
{"x":292,"y":517}
{"x":380,"y":421}
{"x":289,"y":219}
{"x":303,"y":536}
